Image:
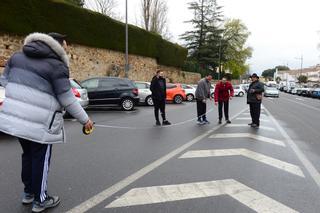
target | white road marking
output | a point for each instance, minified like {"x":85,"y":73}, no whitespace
{"x":299,"y":99}
{"x":169,"y":193}
{"x":288,"y":167}
{"x":247,"y":113}
{"x":248,"y":135}
{"x":304,"y":160}
{"x":100,"y":197}
{"x":248,"y":118}
{"x":302,"y":104}
{"x":246,"y":125}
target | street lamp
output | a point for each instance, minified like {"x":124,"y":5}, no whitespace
{"x":126,"y":68}
{"x":301,"y":61}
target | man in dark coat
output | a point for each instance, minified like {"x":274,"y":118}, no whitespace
{"x":159,"y":94}
{"x":254,"y":99}
{"x":222,"y":94}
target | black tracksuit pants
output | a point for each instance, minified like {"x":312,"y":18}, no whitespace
{"x":225,"y":105}
{"x":159,"y":105}
{"x":35,"y":167}
{"x":201,"y":110}
{"x":255,"y":110}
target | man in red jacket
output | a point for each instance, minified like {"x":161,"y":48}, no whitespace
{"x":222,"y":94}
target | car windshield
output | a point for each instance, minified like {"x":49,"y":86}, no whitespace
{"x":271,"y":88}
{"x":141,"y":85}
{"x":75,"y":84}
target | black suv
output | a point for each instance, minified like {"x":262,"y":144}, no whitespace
{"x":111,"y":91}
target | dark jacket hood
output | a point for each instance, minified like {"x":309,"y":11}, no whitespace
{"x":38,"y":49}
{"x":40,"y":45}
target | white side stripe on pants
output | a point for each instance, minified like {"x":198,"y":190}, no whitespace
{"x":43,"y":195}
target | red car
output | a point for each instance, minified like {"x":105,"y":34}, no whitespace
{"x":175,"y":93}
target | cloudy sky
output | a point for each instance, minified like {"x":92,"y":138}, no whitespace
{"x":281,"y":30}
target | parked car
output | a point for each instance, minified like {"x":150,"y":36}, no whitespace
{"x":190,"y":92}
{"x":2,"y":94}
{"x":271,"y":92}
{"x":175,"y":93}
{"x":144,"y":93}
{"x":316,"y":93}
{"x":305,"y":91}
{"x":294,"y":91}
{"x":238,"y":91}
{"x":212,"y":87}
{"x":310,"y":92}
{"x":80,"y":93}
{"x":245,"y":87}
{"x":112,"y":91}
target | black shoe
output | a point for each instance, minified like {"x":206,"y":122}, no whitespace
{"x":255,"y":126}
{"x":228,"y":121}
{"x":50,"y":202}
{"x":158,"y":123}
{"x":220,"y":122}
{"x":205,"y":121}
{"x":166,"y":123}
{"x":250,"y":124}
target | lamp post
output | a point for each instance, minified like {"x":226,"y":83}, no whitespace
{"x":126,"y":68}
{"x":301,"y":64}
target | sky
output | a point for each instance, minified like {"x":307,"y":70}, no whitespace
{"x":281,"y":30}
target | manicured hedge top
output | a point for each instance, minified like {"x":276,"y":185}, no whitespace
{"x":85,"y":27}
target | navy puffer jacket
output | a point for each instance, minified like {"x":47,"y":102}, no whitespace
{"x":37,"y":91}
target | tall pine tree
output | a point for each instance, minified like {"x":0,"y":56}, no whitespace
{"x":202,"y":42}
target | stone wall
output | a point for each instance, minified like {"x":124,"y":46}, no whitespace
{"x":86,"y":62}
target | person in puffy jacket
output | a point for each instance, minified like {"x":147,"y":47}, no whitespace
{"x":222,"y":94}
{"x":37,"y":91}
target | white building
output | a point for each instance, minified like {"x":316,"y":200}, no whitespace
{"x":313,"y":74}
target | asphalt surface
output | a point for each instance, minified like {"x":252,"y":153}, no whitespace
{"x":133,"y":154}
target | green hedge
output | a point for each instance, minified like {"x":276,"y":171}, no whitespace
{"x":85,"y":27}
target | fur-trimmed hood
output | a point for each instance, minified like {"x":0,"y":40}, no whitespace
{"x":39,"y":49}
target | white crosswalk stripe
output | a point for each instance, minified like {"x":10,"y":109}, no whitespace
{"x":168,"y":193}
{"x":288,"y":167}
{"x":246,"y":125}
{"x":249,"y":119}
{"x":248,"y":135}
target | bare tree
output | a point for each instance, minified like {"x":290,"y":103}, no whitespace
{"x":146,"y":8}
{"x":105,"y":7}
{"x":155,"y":16}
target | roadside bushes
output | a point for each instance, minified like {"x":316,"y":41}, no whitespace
{"x":85,"y":27}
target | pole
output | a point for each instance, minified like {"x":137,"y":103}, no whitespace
{"x":219,"y":60}
{"x":127,"y":45}
{"x":301,"y":64}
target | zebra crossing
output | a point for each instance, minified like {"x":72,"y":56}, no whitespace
{"x":239,"y":133}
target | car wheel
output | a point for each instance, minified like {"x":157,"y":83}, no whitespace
{"x":178,"y":99}
{"x":241,"y":94}
{"x":127,"y":104}
{"x":190,"y":97}
{"x":149,"y":101}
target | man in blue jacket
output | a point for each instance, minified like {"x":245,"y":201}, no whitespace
{"x":37,"y":91}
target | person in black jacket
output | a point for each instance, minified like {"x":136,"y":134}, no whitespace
{"x":159,"y":94}
{"x":254,"y":99}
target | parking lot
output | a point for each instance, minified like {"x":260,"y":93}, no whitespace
{"x":127,"y":153}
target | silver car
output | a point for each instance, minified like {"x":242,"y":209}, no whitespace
{"x":80,"y":93}
{"x":271,"y":92}
{"x":2,"y":94}
{"x":144,"y":92}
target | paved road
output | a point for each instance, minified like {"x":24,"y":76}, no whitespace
{"x":183,"y":168}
